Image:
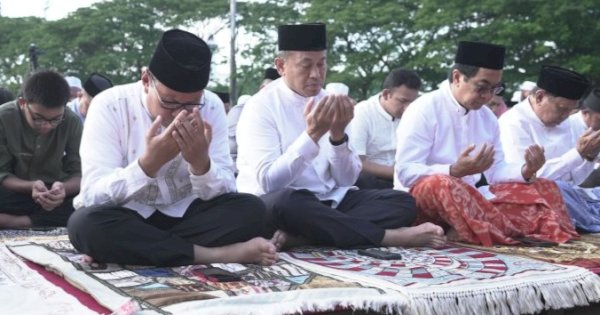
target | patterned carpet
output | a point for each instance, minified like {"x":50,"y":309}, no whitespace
{"x":584,"y":252}
{"x":457,"y":280}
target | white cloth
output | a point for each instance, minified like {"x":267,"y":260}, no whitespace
{"x":433,"y":132}
{"x":114,"y":139}
{"x":232,"y":120}
{"x":74,"y":106}
{"x":520,"y":127}
{"x":275,"y":152}
{"x":374,"y":132}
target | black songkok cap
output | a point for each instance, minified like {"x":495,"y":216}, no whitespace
{"x":96,"y":83}
{"x":592,"y":101}
{"x":562,"y":82}
{"x":224,"y":96}
{"x":481,"y":55}
{"x":302,"y":37}
{"x":272,"y":74}
{"x":181,"y":61}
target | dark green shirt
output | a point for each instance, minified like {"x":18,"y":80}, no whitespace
{"x":31,"y":156}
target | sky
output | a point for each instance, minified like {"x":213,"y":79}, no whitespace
{"x":49,"y":9}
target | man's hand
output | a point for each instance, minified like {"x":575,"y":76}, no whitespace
{"x":588,"y":144}
{"x":48,"y":199}
{"x":342,"y":115}
{"x":318,"y":121}
{"x":469,"y":165}
{"x":534,"y":160}
{"x":160,"y":146}
{"x":193,"y":136}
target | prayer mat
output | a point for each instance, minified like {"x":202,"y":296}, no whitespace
{"x":584,"y":252}
{"x":284,"y":288}
{"x":459,"y":280}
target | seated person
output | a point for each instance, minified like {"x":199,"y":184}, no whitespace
{"x":94,"y":84}
{"x":40,"y":169}
{"x":571,"y":153}
{"x":293,"y":151}
{"x":158,"y":186}
{"x":497,"y":103}
{"x":448,"y":137}
{"x":374,"y":128}
{"x":589,"y":117}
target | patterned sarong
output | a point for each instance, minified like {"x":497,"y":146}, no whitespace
{"x":518,"y":210}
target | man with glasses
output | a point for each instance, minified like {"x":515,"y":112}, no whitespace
{"x":374,"y":128}
{"x":40,"y":169}
{"x":158,"y":185}
{"x":571,"y":153}
{"x":447,"y":138}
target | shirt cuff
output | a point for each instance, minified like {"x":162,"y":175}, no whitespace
{"x":305,"y":147}
{"x":206,"y":177}
{"x":573,"y":159}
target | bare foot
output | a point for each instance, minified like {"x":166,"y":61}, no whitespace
{"x":255,"y":251}
{"x":279,"y":239}
{"x":85,"y":259}
{"x":424,"y":235}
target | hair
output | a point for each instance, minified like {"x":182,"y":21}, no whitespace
{"x":399,"y":77}
{"x":467,"y":70}
{"x":5,"y":95}
{"x":47,"y":88}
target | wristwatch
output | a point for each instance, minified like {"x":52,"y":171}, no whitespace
{"x":339,"y":142}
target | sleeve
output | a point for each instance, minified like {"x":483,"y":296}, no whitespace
{"x":516,"y":138}
{"x":260,"y":141}
{"x":415,"y":138}
{"x":220,"y":177}
{"x":360,"y":130}
{"x":71,"y":160}
{"x":6,"y":159}
{"x":108,"y":178}
{"x":502,"y":170}
{"x":344,"y":164}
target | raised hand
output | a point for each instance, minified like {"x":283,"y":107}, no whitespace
{"x":160,"y":147}
{"x":319,"y":119}
{"x":193,"y":135}
{"x":534,"y":160}
{"x":343,"y":114}
{"x":469,"y":165}
{"x":588,"y":144}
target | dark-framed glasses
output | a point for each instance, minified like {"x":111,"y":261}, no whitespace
{"x":494,"y":90}
{"x":174,"y":105}
{"x":40,"y":121}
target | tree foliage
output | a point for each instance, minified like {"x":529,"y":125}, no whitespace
{"x":366,"y":38}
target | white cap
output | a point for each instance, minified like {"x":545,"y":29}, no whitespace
{"x":74,"y":81}
{"x":527,"y":86}
{"x":243,"y":99}
{"x":516,"y":97}
{"x":337,"y":88}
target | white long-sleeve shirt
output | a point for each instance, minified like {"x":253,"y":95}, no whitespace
{"x":275,"y":152}
{"x":114,"y":139}
{"x":520,"y":127}
{"x":374,"y":132}
{"x":435,"y":129}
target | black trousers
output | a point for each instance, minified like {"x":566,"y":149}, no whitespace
{"x":370,"y":181}
{"x":359,"y":220}
{"x":116,"y":234}
{"x":21,"y":204}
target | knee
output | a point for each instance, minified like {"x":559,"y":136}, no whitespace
{"x":83,"y":226}
{"x":254,"y":207}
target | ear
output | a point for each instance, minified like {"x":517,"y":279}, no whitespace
{"x":21,"y":101}
{"x":539,"y":96}
{"x":386,"y":94}
{"x":280,"y":65}
{"x":455,"y":76}
{"x":145,"y":79}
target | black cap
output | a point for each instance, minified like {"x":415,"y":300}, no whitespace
{"x":96,"y":83}
{"x":271,"y":73}
{"x":592,"y":101}
{"x":481,"y":55}
{"x":181,"y":61}
{"x":562,"y":82}
{"x":302,"y":37}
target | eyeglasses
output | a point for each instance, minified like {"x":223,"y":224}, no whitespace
{"x":481,"y":89}
{"x":175,"y":105}
{"x":40,"y":122}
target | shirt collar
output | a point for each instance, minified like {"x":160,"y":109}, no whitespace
{"x":445,"y":86}
{"x":380,"y":109}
